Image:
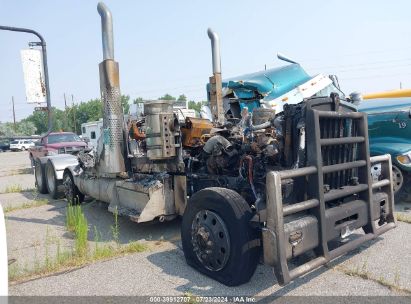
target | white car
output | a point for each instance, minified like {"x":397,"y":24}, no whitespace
{"x":21,"y":145}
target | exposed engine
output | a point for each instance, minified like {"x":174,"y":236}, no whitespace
{"x":235,"y":155}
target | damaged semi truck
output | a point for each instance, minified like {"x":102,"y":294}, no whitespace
{"x":249,"y":185}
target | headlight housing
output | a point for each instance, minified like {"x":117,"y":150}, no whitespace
{"x":404,"y":159}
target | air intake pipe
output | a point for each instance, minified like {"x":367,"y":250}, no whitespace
{"x":216,"y":88}
{"x":112,"y":157}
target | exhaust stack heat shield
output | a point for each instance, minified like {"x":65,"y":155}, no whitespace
{"x":113,"y":117}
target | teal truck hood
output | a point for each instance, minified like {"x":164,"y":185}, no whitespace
{"x":389,"y":126}
{"x":385,"y":105}
{"x":270,"y":83}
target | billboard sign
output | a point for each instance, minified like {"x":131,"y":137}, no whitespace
{"x":32,"y":61}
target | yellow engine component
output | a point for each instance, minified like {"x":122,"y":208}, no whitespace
{"x":135,"y":132}
{"x":194,"y":130}
{"x":389,"y":94}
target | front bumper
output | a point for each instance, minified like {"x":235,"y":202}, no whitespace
{"x":335,"y":195}
{"x":294,"y":229}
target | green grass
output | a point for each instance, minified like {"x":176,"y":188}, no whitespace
{"x":363,"y":273}
{"x":66,"y":259}
{"x":16,"y":188}
{"x":27,"y":205}
{"x":81,"y":254}
{"x":115,"y":230}
{"x":403,"y":217}
{"x":76,"y":222}
{"x":13,"y":189}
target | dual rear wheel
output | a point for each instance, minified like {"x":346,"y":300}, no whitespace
{"x":46,"y":179}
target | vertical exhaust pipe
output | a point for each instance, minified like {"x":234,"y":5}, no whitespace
{"x":106,"y":31}
{"x":216,"y":87}
{"x":215,"y":50}
{"x":112,"y":158}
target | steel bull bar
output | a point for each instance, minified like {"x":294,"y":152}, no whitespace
{"x":292,"y":229}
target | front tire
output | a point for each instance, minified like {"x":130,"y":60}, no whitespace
{"x":217,"y":237}
{"x":40,"y":177}
{"x":72,"y":193}
{"x":401,"y":185}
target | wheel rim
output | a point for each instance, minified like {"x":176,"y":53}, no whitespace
{"x":210,"y":240}
{"x":39,"y":180}
{"x":68,"y":188}
{"x":51,"y":181}
{"x":397,"y":179}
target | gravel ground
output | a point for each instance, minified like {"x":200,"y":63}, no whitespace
{"x":34,"y":232}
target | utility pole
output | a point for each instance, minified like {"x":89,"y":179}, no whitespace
{"x":65,"y":111}
{"x":14,"y":113}
{"x":400,"y":85}
{"x":42,"y":44}
{"x":74,"y":114}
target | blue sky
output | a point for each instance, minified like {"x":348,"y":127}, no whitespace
{"x":162,"y":46}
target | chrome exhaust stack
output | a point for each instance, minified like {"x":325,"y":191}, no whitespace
{"x":112,"y":157}
{"x":216,"y":87}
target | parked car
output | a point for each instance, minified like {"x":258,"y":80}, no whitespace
{"x":21,"y":145}
{"x":57,"y":143}
{"x":389,"y":131}
{"x":4,"y":145}
{"x":50,"y":146}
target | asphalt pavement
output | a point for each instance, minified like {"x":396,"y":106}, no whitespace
{"x":35,"y":232}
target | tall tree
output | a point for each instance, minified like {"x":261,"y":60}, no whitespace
{"x":167,"y":97}
{"x":138,"y":100}
{"x":196,"y":105}
{"x":125,"y":102}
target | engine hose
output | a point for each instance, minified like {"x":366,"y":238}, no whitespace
{"x":249,"y":159}
{"x":261,"y":126}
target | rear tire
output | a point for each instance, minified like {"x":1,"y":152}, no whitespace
{"x":217,"y":237}
{"x":72,"y":193}
{"x":40,"y":177}
{"x":52,"y":182}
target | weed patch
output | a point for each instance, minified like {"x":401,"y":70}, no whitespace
{"x":76,"y":222}
{"x":13,"y":189}
{"x":81,"y":254}
{"x":27,"y":205}
{"x":363,"y":273}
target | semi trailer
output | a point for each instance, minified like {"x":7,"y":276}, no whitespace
{"x":263,"y":186}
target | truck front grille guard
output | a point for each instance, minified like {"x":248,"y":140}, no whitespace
{"x":317,"y":200}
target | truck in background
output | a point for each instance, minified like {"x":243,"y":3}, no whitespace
{"x":389,"y":131}
{"x":281,"y":185}
{"x":91,"y":131}
{"x":53,"y":145}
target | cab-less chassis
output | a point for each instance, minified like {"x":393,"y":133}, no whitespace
{"x":294,"y":184}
